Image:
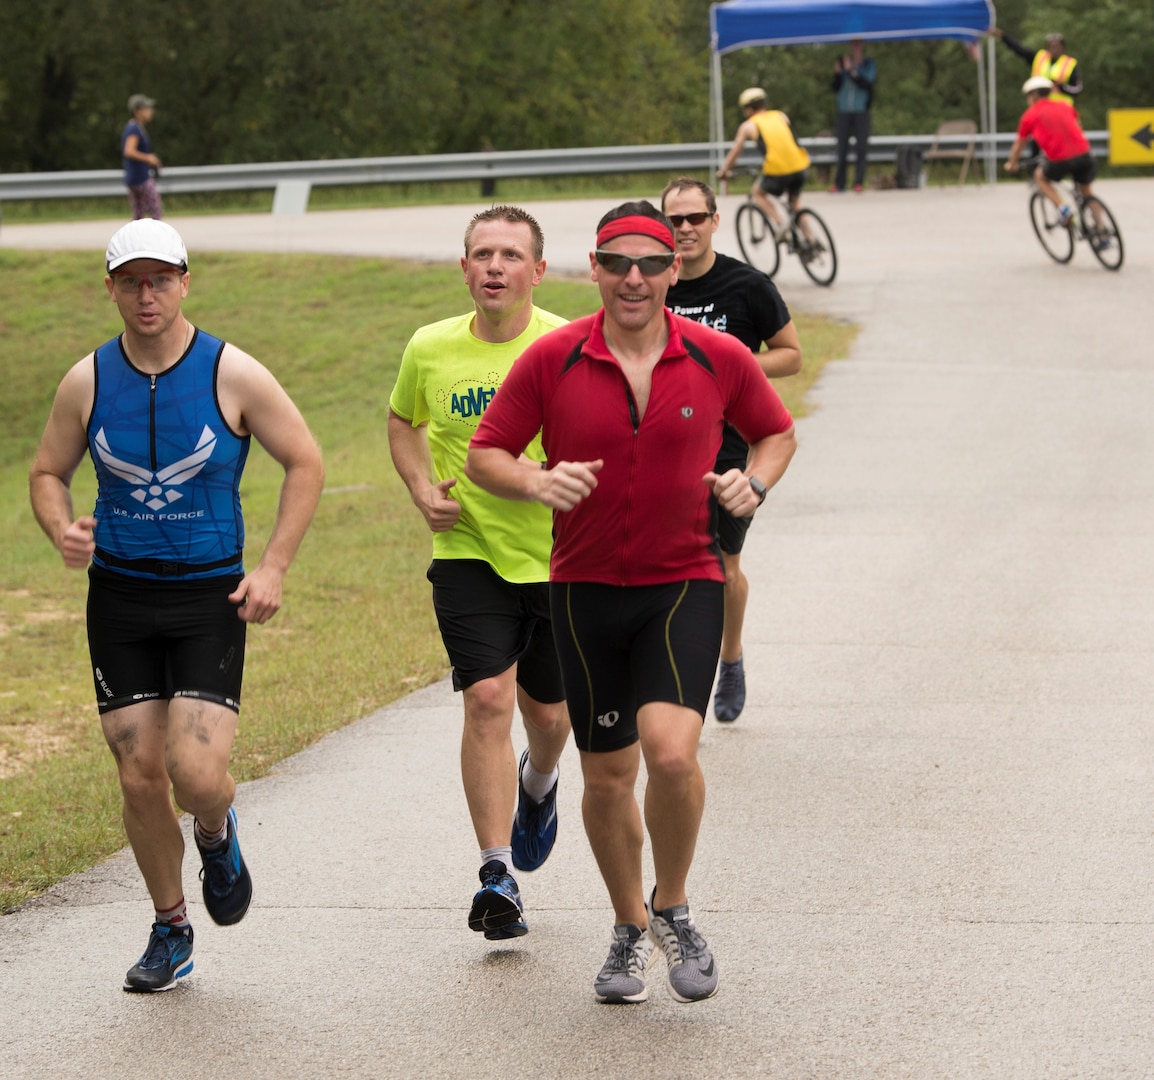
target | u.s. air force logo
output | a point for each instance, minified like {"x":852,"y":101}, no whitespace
{"x":161,"y":488}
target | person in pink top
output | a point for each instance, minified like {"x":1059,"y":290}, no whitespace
{"x":1055,"y":128}
{"x":631,"y":403}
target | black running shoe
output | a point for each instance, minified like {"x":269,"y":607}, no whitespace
{"x":227,"y":886}
{"x":497,"y":904}
{"x":167,"y":958}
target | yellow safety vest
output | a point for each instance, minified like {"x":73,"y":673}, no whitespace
{"x":783,"y":156}
{"x":1057,"y":71}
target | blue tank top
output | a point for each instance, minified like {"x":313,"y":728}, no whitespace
{"x":135,"y":171}
{"x":168,"y":467}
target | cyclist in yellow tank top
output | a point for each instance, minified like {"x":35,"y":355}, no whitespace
{"x":786,"y":164}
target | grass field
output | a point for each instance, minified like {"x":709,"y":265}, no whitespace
{"x":356,"y":630}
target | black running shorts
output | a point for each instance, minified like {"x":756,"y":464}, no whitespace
{"x":624,"y":647}
{"x":786,"y":184}
{"x":164,"y":639}
{"x":1082,"y":169}
{"x":731,"y":531}
{"x":489,"y":624}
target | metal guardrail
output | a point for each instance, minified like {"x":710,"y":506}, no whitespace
{"x":292,"y":181}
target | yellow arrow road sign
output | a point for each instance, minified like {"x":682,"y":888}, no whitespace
{"x":1131,"y":136}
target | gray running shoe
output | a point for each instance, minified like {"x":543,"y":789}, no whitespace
{"x":692,"y":972}
{"x":730,"y":697}
{"x":622,"y":980}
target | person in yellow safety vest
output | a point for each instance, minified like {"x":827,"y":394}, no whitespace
{"x":786,"y":164}
{"x":1051,"y":63}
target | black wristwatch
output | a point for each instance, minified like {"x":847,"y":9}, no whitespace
{"x":759,"y":489}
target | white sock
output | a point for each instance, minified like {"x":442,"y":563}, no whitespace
{"x":536,"y":784}
{"x":210,"y":841}
{"x":501,"y":854}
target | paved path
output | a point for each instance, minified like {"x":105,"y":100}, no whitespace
{"x":928,"y":846}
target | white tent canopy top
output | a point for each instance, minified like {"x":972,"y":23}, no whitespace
{"x":744,"y":24}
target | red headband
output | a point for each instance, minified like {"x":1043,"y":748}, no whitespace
{"x":638,"y":223}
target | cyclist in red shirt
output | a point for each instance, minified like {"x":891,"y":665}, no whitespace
{"x":1054,"y":127}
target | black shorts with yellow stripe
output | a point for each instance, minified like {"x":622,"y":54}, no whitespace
{"x":622,"y":647}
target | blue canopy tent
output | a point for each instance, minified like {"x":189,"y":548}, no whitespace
{"x":745,"y":24}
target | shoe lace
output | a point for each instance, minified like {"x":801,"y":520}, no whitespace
{"x":729,"y":680}
{"x":160,"y":948}
{"x":618,"y":959}
{"x":217,"y":872}
{"x":623,"y":958}
{"x":689,"y":942}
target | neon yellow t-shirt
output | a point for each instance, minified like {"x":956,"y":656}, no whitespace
{"x":447,"y":379}
{"x":783,"y":155}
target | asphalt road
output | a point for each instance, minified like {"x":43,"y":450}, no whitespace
{"x":928,"y":844}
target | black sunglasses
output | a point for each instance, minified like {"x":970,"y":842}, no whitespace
{"x":700,"y":218}
{"x":649,"y":265}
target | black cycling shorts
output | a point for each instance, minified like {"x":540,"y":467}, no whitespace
{"x":164,"y":639}
{"x":622,"y":647}
{"x":787,"y":184}
{"x":489,"y":624}
{"x":1082,"y":168}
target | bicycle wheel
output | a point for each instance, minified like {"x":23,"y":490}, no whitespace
{"x":815,"y":248}
{"x":1056,"y":238}
{"x":756,"y":240}
{"x":1102,"y":232}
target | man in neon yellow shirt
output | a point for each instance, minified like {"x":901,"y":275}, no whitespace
{"x":490,"y":567}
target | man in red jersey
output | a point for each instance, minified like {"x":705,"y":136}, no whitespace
{"x":1055,"y":128}
{"x":630,"y":403}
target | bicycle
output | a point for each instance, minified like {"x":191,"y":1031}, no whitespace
{"x":804,"y":234}
{"x":1091,"y":221}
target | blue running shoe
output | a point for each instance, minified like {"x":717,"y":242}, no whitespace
{"x":535,"y":826}
{"x":497,"y":904}
{"x":167,"y":958}
{"x":227,"y":886}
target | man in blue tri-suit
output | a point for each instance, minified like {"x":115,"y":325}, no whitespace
{"x":167,"y":413}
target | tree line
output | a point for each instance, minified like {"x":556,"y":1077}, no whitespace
{"x":284,"y":80}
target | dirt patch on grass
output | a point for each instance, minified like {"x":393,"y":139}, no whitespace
{"x":21,"y":745}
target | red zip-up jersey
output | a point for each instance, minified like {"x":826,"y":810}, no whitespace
{"x":651,"y":519}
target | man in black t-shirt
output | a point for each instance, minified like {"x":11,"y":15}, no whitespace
{"x":730,"y":296}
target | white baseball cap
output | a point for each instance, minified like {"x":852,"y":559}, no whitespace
{"x":146,"y":239}
{"x":1037,"y":82}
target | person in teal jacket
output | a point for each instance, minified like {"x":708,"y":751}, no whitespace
{"x":854,"y":76}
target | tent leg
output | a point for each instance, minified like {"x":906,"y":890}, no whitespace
{"x":992,"y":108}
{"x":716,"y":112}
{"x":983,"y":112}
